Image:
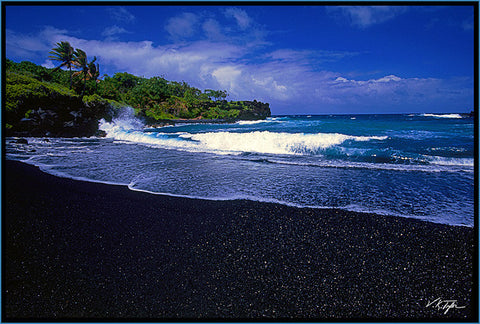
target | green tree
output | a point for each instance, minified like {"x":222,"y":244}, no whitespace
{"x":88,"y":70}
{"x":217,"y":94}
{"x":126,"y":81}
{"x":65,"y":54}
{"x":82,"y":63}
{"x":94,"y":71}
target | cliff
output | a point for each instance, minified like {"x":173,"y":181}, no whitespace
{"x":39,"y":102}
{"x":35,"y":108}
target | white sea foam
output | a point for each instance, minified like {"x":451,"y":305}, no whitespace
{"x":251,"y":122}
{"x":272,"y":142}
{"x":350,"y":207}
{"x":230,"y":197}
{"x":448,"y":161}
{"x":124,"y":122}
{"x":442,"y":116}
{"x":262,"y":121}
{"x":127,"y":128}
{"x":435,"y":167}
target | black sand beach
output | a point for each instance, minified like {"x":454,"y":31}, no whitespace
{"x":79,"y":250}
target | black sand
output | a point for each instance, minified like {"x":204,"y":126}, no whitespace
{"x":74,"y":249}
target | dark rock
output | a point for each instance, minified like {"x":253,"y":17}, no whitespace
{"x":21,"y":141}
{"x":101,"y":133}
{"x":65,"y":117}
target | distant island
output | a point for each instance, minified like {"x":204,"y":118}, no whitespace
{"x":69,"y":102}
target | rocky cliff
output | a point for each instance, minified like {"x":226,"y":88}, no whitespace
{"x":35,"y":107}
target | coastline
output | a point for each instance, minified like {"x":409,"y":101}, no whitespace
{"x":82,"y":250}
{"x":173,"y":122}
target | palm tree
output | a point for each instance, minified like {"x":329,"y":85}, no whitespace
{"x":94,"y":71}
{"x":81,"y":63}
{"x":64,"y":53}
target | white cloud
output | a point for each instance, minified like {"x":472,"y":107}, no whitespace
{"x":365,"y":16}
{"x":113,"y":30}
{"x":212,"y":29}
{"x":227,"y":77}
{"x":182,"y":26}
{"x":28,"y":45}
{"x":242,"y":18}
{"x":285,"y":78}
{"x":390,"y":91}
{"x":388,"y":78}
{"x":48,"y":64}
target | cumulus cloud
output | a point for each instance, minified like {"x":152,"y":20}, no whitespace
{"x":27,"y":45}
{"x":284,"y":78}
{"x":388,"y":78}
{"x":227,"y":77}
{"x":395,"y":92}
{"x":365,"y":16}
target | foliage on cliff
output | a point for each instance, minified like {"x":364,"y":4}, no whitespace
{"x":39,"y":108}
{"x":155,"y":98}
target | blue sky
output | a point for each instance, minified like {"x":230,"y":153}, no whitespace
{"x":300,"y":59}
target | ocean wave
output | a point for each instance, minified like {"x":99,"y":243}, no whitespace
{"x":252,"y":122}
{"x":130,"y":129}
{"x":442,"y":116}
{"x":339,"y":164}
{"x":259,"y":198}
{"x":271,"y":142}
{"x":231,"y":142}
{"x":449,"y":161}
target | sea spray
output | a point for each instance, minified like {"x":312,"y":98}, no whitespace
{"x":231,"y":142}
{"x":273,"y":142}
{"x":124,"y":121}
{"x":456,"y":116}
{"x":129,"y":128}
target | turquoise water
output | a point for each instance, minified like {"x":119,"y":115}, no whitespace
{"x":412,"y":165}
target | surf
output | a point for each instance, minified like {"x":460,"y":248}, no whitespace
{"x":457,"y":116}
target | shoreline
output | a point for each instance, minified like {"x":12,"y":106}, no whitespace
{"x":173,"y":122}
{"x":253,"y":199}
{"x":82,"y":250}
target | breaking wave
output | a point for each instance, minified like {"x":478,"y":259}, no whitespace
{"x":273,"y":143}
{"x":128,"y":128}
{"x":442,"y":116}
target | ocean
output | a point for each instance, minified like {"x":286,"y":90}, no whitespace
{"x":410,"y":165}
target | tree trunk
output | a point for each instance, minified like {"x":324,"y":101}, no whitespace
{"x":71,"y":76}
{"x":84,"y":83}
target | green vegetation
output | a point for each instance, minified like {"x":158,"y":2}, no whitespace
{"x":64,"y":53}
{"x":79,"y":89}
{"x":23,"y":88}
